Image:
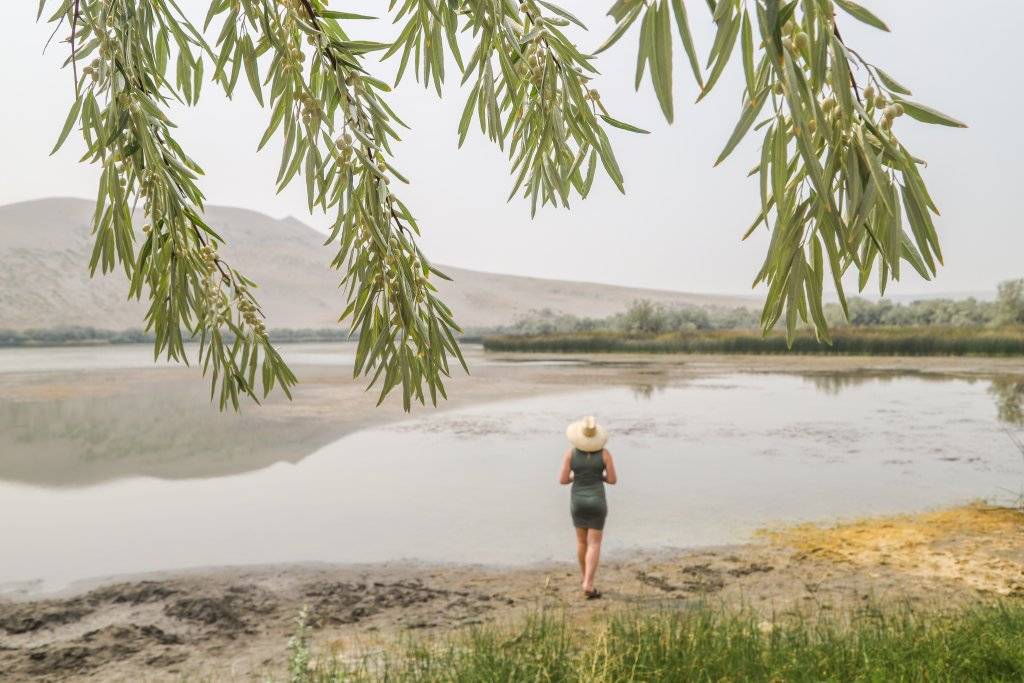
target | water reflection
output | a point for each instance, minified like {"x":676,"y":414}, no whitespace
{"x":80,"y":429}
{"x":645,"y":392}
{"x":833,"y":383}
{"x":654,"y":382}
{"x":1008,"y":393}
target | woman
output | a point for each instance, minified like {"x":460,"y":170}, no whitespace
{"x":587,"y":466}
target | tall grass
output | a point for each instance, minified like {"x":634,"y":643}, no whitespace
{"x":984,"y":643}
{"x":874,"y":341}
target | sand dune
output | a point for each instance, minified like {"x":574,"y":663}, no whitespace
{"x":44,"y":280}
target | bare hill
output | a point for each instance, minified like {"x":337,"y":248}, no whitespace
{"x":44,"y":280}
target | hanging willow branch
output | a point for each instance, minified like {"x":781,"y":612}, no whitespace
{"x":838,"y":189}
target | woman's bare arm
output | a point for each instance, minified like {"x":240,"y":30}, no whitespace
{"x":565,"y":476}
{"x":609,"y":469}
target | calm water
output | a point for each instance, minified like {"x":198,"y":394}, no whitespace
{"x":703,"y":462}
{"x":136,"y":356}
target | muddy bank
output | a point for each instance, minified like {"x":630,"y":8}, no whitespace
{"x":234,"y":623}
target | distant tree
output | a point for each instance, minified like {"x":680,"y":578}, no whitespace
{"x":960,"y":313}
{"x":546,"y":321}
{"x":643,"y":317}
{"x":1010,"y":303}
{"x":838,"y":189}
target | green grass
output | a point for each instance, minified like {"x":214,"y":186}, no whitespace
{"x":874,"y":341}
{"x":984,"y":643}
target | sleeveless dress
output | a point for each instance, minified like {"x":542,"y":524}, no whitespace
{"x":587,"y":502}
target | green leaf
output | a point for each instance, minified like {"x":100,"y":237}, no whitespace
{"x":841,"y":77}
{"x":562,"y":13}
{"x":69,"y":123}
{"x":683,"y":27}
{"x":623,"y":125}
{"x":644,"y":50}
{"x":921,"y":225}
{"x":251,"y":69}
{"x":661,"y":59}
{"x":926,"y":114}
{"x":747,"y":46}
{"x":467,"y":113}
{"x":913,"y":256}
{"x":727,"y":34}
{"x":751,"y":110}
{"x":861,"y":13}
{"x":621,"y":28}
{"x":279,"y":111}
{"x":771,"y":13}
{"x":335,"y":14}
{"x":891,"y":83}
{"x":787,"y":12}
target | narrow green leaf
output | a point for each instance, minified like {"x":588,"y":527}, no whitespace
{"x":623,"y":125}
{"x":69,"y":123}
{"x":562,"y":13}
{"x":251,"y":69}
{"x":891,"y":83}
{"x":644,"y":49}
{"x":771,"y":13}
{"x":751,"y":110}
{"x":661,"y":59}
{"x":747,"y":47}
{"x":732,"y":29}
{"x":335,"y":14}
{"x":861,"y":13}
{"x":621,"y":28}
{"x":683,"y":27}
{"x":926,"y":114}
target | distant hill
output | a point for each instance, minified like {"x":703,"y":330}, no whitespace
{"x":44,"y":280}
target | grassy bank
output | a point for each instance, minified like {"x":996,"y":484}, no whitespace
{"x":872,"y":341}
{"x":705,"y":644}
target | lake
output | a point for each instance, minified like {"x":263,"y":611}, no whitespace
{"x":89,"y":485}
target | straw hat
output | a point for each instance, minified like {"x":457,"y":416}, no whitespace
{"x":587,"y":435}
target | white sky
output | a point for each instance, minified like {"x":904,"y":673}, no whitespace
{"x":679,"y":225}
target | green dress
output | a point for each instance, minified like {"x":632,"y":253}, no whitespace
{"x":587,"y":502}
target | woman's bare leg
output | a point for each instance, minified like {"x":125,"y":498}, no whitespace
{"x":592,"y":558}
{"x":581,"y":550}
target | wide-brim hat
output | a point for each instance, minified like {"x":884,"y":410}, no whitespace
{"x":587,"y":435}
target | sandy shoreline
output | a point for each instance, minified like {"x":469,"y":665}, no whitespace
{"x":234,"y":623}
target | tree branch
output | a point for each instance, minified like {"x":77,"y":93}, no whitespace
{"x":74,"y":52}
{"x":839,"y":37}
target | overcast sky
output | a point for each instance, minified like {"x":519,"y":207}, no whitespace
{"x":678,"y":227}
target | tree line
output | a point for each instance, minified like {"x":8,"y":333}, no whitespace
{"x":645,"y":317}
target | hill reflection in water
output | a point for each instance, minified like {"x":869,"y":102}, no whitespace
{"x":82,"y":428}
